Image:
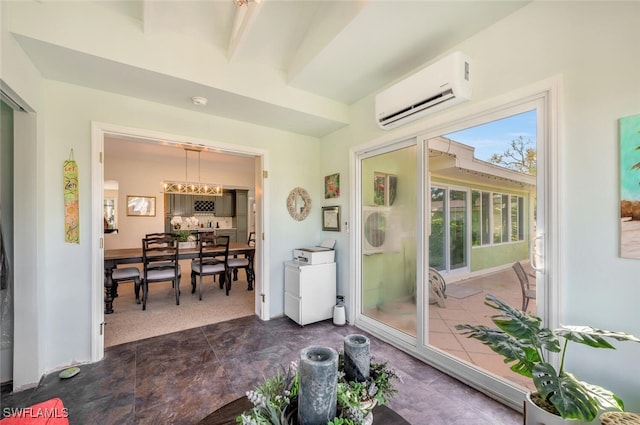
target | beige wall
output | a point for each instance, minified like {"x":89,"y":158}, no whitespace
{"x":141,"y":169}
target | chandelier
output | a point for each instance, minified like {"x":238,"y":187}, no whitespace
{"x":192,"y":188}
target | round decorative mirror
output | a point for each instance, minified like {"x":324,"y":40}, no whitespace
{"x":298,"y":204}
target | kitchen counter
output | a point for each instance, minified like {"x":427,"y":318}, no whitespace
{"x":211,"y":229}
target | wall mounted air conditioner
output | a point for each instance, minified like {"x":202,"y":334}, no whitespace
{"x":438,"y":86}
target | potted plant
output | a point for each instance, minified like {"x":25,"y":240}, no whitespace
{"x":275,"y":400}
{"x":559,"y":395}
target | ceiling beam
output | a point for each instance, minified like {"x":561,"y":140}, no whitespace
{"x":244,"y":20}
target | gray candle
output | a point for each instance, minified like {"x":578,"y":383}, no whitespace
{"x":317,"y":400}
{"x":356,"y":357}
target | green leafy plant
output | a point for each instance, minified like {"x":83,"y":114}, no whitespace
{"x":183,"y":235}
{"x":520,"y":338}
{"x":276,"y":399}
{"x":272,"y":399}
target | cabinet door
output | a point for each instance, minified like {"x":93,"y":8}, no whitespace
{"x":230,"y":203}
{"x":242,"y":218}
{"x":168,"y":204}
{"x":226,"y":232}
{"x":227,"y":205}
{"x":179,"y":205}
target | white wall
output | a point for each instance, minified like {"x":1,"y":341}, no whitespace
{"x":71,"y":110}
{"x":593,"y":46}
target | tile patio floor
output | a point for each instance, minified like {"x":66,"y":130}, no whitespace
{"x":470,"y":309}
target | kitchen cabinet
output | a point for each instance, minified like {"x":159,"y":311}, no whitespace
{"x":242,"y":215}
{"x":226,"y":204}
{"x":228,"y":232}
{"x":178,"y":205}
{"x":204,"y":204}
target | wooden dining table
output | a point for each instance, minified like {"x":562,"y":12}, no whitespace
{"x":113,"y":257}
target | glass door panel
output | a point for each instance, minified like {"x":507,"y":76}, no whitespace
{"x":389,"y":238}
{"x":458,"y":229}
{"x":483,"y":193}
{"x":437,"y":238}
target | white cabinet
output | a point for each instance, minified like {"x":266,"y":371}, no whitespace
{"x":309,"y":291}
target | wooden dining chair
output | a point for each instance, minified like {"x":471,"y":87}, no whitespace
{"x":125,"y":274}
{"x":160,"y":235}
{"x":213,"y":259}
{"x":160,"y":261}
{"x":244,"y":261}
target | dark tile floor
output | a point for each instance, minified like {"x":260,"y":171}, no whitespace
{"x":181,"y":377}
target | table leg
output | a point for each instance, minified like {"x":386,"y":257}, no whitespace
{"x":108,"y":286}
{"x":250,"y":274}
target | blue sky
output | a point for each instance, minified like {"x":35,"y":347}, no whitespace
{"x":496,"y":136}
{"x":629,"y":156}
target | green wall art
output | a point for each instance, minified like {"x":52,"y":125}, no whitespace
{"x":630,"y":187}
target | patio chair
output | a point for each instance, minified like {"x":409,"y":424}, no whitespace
{"x":528,"y":290}
{"x":437,"y":288}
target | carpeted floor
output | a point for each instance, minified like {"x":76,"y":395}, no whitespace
{"x":129,"y":323}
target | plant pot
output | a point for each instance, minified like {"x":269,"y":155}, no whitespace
{"x":534,"y":415}
{"x":187,"y":245}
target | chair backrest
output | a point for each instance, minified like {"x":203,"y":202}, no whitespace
{"x":522,"y":277}
{"x":252,"y":239}
{"x":162,"y":248}
{"x":214,"y":247}
{"x":156,"y":235}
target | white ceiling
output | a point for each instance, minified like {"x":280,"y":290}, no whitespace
{"x":295,"y":58}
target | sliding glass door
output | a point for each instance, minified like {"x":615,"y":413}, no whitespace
{"x":465,"y":204}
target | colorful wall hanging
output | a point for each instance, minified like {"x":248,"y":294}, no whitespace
{"x":332,"y":186}
{"x":630,"y":187}
{"x":71,"y":208}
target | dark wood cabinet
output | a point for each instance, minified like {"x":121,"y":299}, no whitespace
{"x":226,"y":204}
{"x":228,"y":232}
{"x":242,"y":215}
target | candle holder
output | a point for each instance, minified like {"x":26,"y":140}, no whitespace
{"x":317,"y":398}
{"x":357,"y":358}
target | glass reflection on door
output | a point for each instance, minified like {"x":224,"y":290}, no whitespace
{"x":389,"y":238}
{"x":448,"y":237}
{"x":482,"y":218}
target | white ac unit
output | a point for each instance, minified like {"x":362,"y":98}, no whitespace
{"x":380,"y":230}
{"x":438,"y":86}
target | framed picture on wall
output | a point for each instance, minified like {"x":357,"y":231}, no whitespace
{"x":141,"y":206}
{"x":331,"y":218}
{"x":385,"y":187}
{"x":630,"y":187}
{"x":332,"y":186}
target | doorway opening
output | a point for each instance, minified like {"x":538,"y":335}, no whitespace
{"x":140,"y":161}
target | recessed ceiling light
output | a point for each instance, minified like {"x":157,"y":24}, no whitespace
{"x":199,"y":100}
